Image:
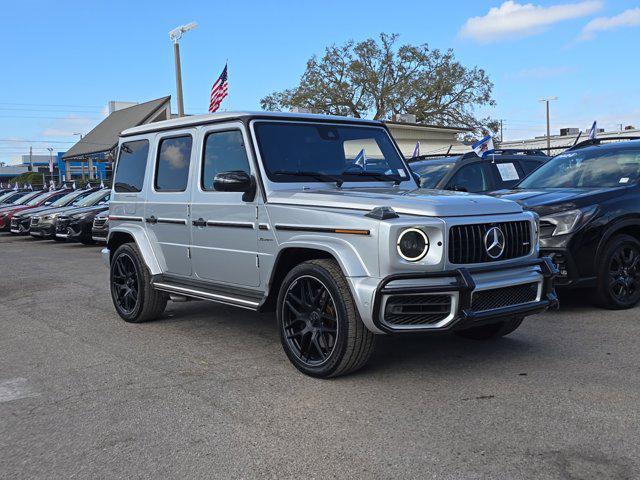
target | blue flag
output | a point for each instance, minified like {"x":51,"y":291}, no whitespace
{"x":484,"y":146}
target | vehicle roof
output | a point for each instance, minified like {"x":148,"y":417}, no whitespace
{"x":599,"y":146}
{"x":472,"y":157}
{"x":181,"y":122}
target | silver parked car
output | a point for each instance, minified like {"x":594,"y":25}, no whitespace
{"x":317,"y":218}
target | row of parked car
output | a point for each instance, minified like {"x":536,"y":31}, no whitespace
{"x":64,"y":214}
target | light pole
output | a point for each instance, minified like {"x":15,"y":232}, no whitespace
{"x":547,"y":100}
{"x":51,"y":168}
{"x":176,"y":35}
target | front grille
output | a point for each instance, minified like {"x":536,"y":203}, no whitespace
{"x":35,"y":221}
{"x":14,"y":223}
{"x":417,"y":309}
{"x":99,"y":222}
{"x":504,"y":297}
{"x":466,"y":242}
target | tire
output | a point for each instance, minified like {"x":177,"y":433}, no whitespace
{"x":618,"y":284}
{"x":314,"y":301}
{"x":492,"y":331}
{"x":146,"y":303}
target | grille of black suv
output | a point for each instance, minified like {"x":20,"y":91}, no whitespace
{"x":35,"y":220}
{"x":99,"y":222}
{"x":466,"y":242}
{"x":504,"y":297}
{"x":416,"y":309}
{"x":14,"y":223}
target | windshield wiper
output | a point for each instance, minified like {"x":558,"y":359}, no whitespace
{"x":321,"y":177}
{"x":396,"y":179}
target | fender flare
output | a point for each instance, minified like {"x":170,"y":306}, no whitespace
{"x":140,"y":238}
{"x":344,"y":252}
{"x":611,"y":231}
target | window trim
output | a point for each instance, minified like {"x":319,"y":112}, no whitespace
{"x":157,"y":162}
{"x":207,"y":134}
{"x":117,"y":166}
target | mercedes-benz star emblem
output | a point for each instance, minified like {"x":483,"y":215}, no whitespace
{"x":494,"y":242}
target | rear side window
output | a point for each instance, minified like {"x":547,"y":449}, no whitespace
{"x":132,"y":163}
{"x":223,"y":152}
{"x":172,"y":168}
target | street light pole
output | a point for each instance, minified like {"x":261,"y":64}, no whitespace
{"x":176,"y":35}
{"x":547,"y":100}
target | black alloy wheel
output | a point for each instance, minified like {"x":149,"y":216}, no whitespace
{"x":624,"y":274}
{"x":310,"y":320}
{"x":125,"y":283}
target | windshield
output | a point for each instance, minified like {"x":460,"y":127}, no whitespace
{"x":431,"y":173}
{"x":312,"y":152}
{"x":93,"y":198}
{"x":11,"y":196}
{"x":34,"y":200}
{"x":66,"y":200}
{"x":594,"y":168}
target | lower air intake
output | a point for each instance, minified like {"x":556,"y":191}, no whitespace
{"x":416,"y":309}
{"x":504,"y":297}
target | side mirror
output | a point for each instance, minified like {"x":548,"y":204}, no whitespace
{"x":236,"y":181}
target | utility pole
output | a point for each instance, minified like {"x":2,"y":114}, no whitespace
{"x":175,"y":35}
{"x":547,"y":100}
{"x":31,"y":159}
{"x":501,"y":134}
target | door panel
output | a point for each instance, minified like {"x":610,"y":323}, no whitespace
{"x":224,"y":236}
{"x":167,"y":210}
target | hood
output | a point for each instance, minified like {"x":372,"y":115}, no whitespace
{"x":428,"y":203}
{"x":85,"y":210}
{"x":37,"y":211}
{"x":551,"y":200}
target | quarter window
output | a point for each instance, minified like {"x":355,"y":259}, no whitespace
{"x":132,"y":164}
{"x":172,"y":168}
{"x":223,"y":152}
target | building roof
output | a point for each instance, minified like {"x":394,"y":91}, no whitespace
{"x":424,"y":126}
{"x":559,"y":143}
{"x":104,"y":136}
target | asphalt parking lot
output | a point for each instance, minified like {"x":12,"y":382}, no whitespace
{"x":207,"y":392}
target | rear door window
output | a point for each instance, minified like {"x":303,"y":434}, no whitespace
{"x":472,"y":178}
{"x":172,"y":168}
{"x":131,"y":166}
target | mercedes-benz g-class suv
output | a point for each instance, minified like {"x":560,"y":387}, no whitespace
{"x":320,"y":219}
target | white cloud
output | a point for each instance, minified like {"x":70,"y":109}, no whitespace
{"x":628,"y":18}
{"x":541,"y":73}
{"x":515,"y":20}
{"x":68,"y":126}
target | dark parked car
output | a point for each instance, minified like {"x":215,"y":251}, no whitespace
{"x":588,"y":199}
{"x":76,"y":224}
{"x":470,"y":173}
{"x":100,"y":229}
{"x":44,"y":226}
{"x":21,"y":222}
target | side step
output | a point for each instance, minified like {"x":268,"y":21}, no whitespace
{"x":237,"y":299}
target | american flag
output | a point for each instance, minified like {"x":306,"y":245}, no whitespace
{"x":218,"y":91}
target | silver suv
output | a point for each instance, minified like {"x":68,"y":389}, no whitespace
{"x":320,"y":219}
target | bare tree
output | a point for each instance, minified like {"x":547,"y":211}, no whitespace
{"x":377,"y":79}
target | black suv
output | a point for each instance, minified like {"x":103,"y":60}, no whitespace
{"x":588,"y":199}
{"x":470,"y":173}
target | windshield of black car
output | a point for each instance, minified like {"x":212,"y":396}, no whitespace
{"x":92,"y":199}
{"x":63,"y":201}
{"x":598,"y":167}
{"x":305,"y":152}
{"x":431,"y":172}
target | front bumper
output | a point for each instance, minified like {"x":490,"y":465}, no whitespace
{"x":466,"y":297}
{"x":569,"y":275}
{"x":42,"y":230}
{"x":19,"y":226}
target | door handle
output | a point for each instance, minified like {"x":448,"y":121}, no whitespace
{"x":152,"y":220}
{"x":201,"y":222}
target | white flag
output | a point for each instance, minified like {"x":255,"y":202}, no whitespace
{"x":484,"y":146}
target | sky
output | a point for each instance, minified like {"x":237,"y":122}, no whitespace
{"x":64,"y":60}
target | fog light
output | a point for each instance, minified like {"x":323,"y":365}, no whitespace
{"x":413,"y":244}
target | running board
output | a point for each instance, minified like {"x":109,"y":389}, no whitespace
{"x":207,"y":294}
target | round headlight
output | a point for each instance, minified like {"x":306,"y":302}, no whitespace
{"x":413,"y":244}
